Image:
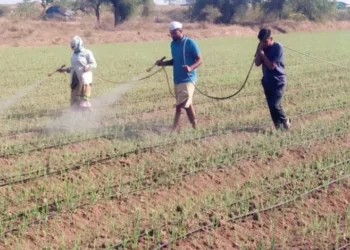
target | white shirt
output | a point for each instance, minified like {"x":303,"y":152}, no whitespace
{"x":79,"y":61}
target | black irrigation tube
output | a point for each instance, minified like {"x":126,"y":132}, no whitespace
{"x":118,"y":115}
{"x":22,"y":132}
{"x":257,"y":211}
{"x":58,"y":145}
{"x":123,"y":115}
{"x":39,"y":129}
{"x":108,"y":135}
{"x":228,"y":86}
{"x":100,"y":134}
{"x":335,"y":165}
{"x":39,"y":113}
{"x":54,"y":206}
{"x":89,"y":163}
{"x":27,"y":177}
{"x":56,"y":112}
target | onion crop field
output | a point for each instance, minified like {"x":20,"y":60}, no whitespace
{"x":119,"y":179}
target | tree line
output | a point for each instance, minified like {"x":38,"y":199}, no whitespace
{"x":226,"y":11}
{"x":214,"y":11}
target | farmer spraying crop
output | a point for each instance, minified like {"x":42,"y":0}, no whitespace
{"x":270,"y":56}
{"x":186,"y":58}
{"x":82,"y":63}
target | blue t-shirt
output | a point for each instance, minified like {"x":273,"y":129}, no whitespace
{"x":277,"y":76}
{"x":191,"y":53}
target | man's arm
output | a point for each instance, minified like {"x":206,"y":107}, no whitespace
{"x":165,"y":63}
{"x":196,"y":53}
{"x":258,"y":60}
{"x":270,"y":65}
{"x":64,"y":70}
{"x":275,"y":56}
{"x":91,"y":62}
{"x":196,"y":64}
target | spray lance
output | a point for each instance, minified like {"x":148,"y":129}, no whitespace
{"x":161,"y":60}
{"x":57,"y":70}
{"x":135,"y":80}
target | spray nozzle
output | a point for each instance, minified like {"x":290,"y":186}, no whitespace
{"x":160,"y":60}
{"x":57,"y":70}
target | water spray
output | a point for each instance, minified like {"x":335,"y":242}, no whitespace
{"x":71,"y":121}
{"x":6,"y":104}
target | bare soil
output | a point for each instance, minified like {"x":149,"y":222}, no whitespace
{"x":29,"y":33}
{"x":90,"y":223}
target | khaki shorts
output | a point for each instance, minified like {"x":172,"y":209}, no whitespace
{"x":184,"y":94}
{"x":80,"y":93}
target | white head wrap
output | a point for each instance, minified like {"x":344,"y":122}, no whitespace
{"x":175,"y":26}
{"x":76,"y":44}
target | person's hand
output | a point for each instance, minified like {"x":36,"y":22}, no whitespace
{"x":62,"y":70}
{"x":187,"y":68}
{"x":260,"y":49}
{"x":160,"y":63}
{"x":86,"y":68}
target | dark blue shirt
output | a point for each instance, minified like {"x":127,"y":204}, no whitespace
{"x":277,"y":76}
{"x":191,"y":54}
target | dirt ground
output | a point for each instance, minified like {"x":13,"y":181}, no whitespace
{"x":96,"y":223}
{"x":28,"y":33}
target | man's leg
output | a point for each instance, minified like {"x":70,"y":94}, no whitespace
{"x":75,"y":98}
{"x":284,"y":121}
{"x":191,"y":116}
{"x":189,"y":106}
{"x":177,"y":116}
{"x":270,"y":99}
{"x":86,"y":94}
{"x":276,"y":109}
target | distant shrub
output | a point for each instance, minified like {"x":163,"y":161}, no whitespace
{"x":3,"y":11}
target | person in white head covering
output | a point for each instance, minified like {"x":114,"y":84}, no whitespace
{"x":186,"y":58}
{"x":82,"y":63}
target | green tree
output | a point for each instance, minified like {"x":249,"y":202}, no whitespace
{"x":314,"y":9}
{"x":210,"y":14}
{"x":95,"y":5}
{"x":27,"y":9}
{"x":311,"y":9}
{"x":277,"y":8}
{"x":147,"y":6}
{"x":257,"y":3}
{"x":123,"y":9}
{"x":46,"y":3}
{"x":229,"y":9}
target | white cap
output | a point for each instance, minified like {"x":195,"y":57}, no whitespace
{"x":175,"y":26}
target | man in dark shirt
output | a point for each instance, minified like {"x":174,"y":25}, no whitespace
{"x":270,"y":56}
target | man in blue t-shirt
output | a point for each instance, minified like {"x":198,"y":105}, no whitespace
{"x":270,"y":56}
{"x":186,"y":58}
